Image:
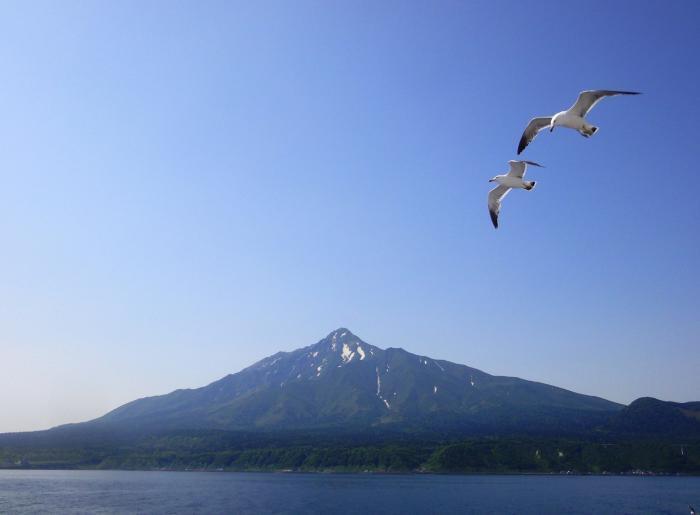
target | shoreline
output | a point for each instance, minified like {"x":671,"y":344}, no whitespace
{"x":635,"y":473}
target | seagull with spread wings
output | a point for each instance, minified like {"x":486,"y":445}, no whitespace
{"x":506,"y":182}
{"x":573,"y":118}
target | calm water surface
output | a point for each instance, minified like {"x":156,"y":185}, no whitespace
{"x":211,"y":492}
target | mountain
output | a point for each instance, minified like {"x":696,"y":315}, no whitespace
{"x":649,"y":417}
{"x":344,"y":405}
{"x":344,"y":383}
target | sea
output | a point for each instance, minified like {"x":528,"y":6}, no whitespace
{"x":46,"y":491}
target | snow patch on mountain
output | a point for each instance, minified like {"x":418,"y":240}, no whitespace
{"x":379,"y":390}
{"x":347,"y":354}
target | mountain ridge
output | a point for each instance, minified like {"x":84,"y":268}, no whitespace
{"x":344,"y":405}
{"x":342,"y":381}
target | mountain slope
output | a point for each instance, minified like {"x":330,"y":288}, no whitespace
{"x":342,"y":382}
{"x":649,"y":417}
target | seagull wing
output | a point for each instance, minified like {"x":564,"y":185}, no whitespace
{"x":496,"y":195}
{"x":588,"y":99}
{"x":517,"y":168}
{"x":535,"y":126}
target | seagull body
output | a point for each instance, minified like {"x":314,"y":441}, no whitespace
{"x":506,"y":182}
{"x":572,"y":118}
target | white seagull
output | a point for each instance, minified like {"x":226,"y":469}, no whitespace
{"x":513,"y":179}
{"x":573,"y":118}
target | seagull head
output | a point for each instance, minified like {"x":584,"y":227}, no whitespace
{"x":553,"y":122}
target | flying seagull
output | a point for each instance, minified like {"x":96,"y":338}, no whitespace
{"x":573,"y":118}
{"x":692,"y":510}
{"x":513,"y":179}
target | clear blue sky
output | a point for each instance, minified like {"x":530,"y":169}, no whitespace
{"x":187,"y":187}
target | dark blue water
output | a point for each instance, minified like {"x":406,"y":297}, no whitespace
{"x":211,"y":492}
